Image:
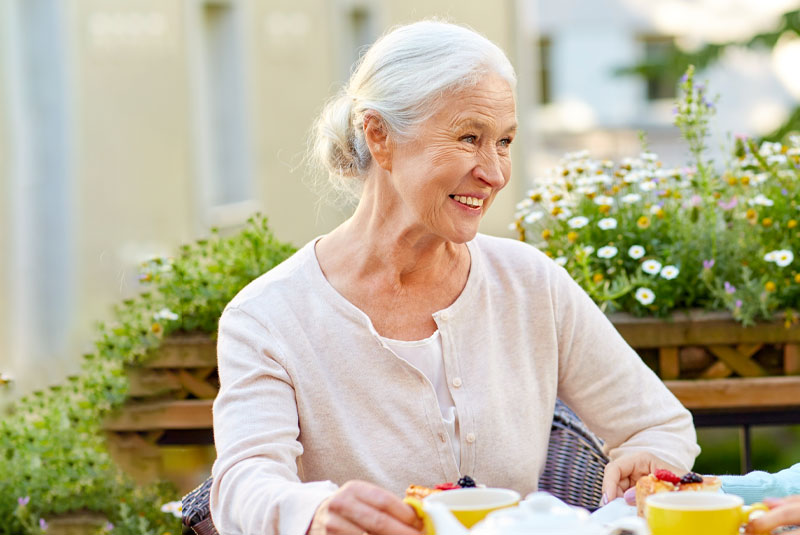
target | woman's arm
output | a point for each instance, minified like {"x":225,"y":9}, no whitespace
{"x":757,"y":485}
{"x":256,"y":485}
{"x":608,"y":385}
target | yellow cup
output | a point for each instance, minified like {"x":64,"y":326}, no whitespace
{"x":470,"y":505}
{"x":697,"y":513}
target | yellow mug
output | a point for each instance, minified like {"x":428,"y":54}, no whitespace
{"x":697,"y":513}
{"x":469,"y":506}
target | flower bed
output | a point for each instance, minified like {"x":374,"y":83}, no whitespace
{"x":648,"y":239}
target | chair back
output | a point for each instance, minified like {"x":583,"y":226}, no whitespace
{"x":573,"y":471}
{"x":196,"y":510}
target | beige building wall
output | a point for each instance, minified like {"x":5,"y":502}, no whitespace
{"x":139,"y":127}
{"x":134,"y":176}
{"x":5,"y":205}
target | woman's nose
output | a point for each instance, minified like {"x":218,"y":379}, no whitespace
{"x":490,"y":171}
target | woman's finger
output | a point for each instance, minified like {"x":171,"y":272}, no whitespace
{"x":377,"y":522}
{"x":784,"y":515}
{"x":394,"y":507}
{"x":375,"y":510}
{"x":630,"y":496}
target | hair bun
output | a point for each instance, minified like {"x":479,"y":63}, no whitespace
{"x":336,"y":144}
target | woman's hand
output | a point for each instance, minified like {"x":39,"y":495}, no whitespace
{"x":623,"y":473}
{"x":359,"y":508}
{"x":783,"y":512}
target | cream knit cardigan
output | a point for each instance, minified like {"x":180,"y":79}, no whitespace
{"x":311,"y":398}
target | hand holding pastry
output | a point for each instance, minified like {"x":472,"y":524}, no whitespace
{"x":359,"y":507}
{"x":623,"y":473}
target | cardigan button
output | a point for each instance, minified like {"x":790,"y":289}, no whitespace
{"x":444,"y":316}
{"x":470,"y":438}
{"x":457,"y":382}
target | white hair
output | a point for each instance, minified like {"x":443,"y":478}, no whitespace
{"x":402,"y":78}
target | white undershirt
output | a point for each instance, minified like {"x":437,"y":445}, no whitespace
{"x":426,"y":355}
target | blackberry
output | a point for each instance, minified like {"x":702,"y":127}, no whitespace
{"x":465,"y":482}
{"x":691,"y":477}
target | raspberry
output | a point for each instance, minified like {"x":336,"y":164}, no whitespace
{"x":691,"y":477}
{"x":447,"y":486}
{"x":466,"y":482}
{"x":666,"y":475}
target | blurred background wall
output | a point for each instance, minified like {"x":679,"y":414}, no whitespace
{"x":130,"y":126}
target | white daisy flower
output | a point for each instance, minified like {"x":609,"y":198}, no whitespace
{"x":631,"y":198}
{"x":669,"y":272}
{"x":603,"y":200}
{"x":651,"y":267}
{"x":578,"y":222}
{"x":636,"y":252}
{"x":648,"y":185}
{"x":512,"y":226}
{"x":649,"y":156}
{"x":777,"y":158}
{"x":602,"y":179}
{"x":771,"y":256}
{"x":564,"y":214}
{"x":645,"y":296}
{"x":174,"y":508}
{"x":561,"y":261}
{"x":586,"y":190}
{"x":607,"y":223}
{"x":609,"y":251}
{"x":760,"y":200}
{"x":633,"y":177}
{"x":655,"y":209}
{"x":524,"y":203}
{"x":784,"y":257}
{"x":165,"y":314}
{"x":588,"y":250}
{"x":5,"y":379}
{"x":534,"y":217}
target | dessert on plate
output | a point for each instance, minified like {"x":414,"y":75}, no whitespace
{"x":666,"y":481}
{"x":419,"y":492}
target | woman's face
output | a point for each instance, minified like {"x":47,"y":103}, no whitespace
{"x":449,"y":173}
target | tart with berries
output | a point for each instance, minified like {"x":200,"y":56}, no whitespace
{"x":419,"y":492}
{"x":666,"y":481}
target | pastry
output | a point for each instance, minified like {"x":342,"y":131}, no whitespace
{"x":666,"y":481}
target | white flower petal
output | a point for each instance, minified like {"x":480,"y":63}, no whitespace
{"x":645,"y":296}
{"x":636,"y":252}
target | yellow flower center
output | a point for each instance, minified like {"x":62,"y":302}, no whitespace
{"x":770,"y":286}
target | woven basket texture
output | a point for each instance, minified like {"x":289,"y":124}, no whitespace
{"x":575,"y":462}
{"x":196,"y":510}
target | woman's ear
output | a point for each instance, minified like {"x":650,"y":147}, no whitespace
{"x":378,"y":141}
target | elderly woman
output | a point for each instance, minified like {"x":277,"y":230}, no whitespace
{"x":404,"y":347}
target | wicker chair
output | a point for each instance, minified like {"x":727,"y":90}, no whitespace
{"x":573,"y":472}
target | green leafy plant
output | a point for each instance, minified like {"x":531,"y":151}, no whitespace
{"x":53,"y":454}
{"x":646,"y":239}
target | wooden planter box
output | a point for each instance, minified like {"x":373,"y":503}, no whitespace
{"x":710,"y":361}
{"x":707,"y":359}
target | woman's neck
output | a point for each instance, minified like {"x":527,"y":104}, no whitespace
{"x":376,"y":242}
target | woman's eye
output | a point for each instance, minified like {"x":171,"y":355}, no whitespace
{"x":505,"y":142}
{"x":469,"y":139}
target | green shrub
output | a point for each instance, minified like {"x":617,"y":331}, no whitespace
{"x":53,"y":455}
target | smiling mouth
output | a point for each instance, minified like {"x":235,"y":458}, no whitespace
{"x":472,"y":202}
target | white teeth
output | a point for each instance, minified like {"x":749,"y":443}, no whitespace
{"x":469,"y":201}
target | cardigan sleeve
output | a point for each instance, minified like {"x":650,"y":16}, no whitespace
{"x":256,"y":487}
{"x":608,"y":385}
{"x":756,"y":486}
